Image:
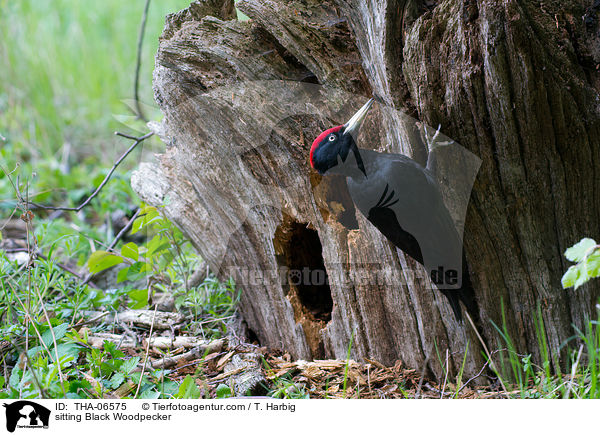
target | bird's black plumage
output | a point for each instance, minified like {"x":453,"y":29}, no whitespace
{"x":402,"y":200}
{"x":385,"y":220}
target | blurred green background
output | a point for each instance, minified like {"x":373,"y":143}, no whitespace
{"x":66,"y":68}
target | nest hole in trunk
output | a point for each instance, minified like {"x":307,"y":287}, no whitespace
{"x":299,"y":255}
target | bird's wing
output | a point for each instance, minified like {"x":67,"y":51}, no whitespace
{"x":385,"y":220}
{"x":403,"y":201}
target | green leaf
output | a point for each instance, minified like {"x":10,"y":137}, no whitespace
{"x":577,"y":252}
{"x":112,"y":349}
{"x":169,"y":387}
{"x":592,"y":264}
{"x":79,"y":384}
{"x":149,"y":394}
{"x":61,"y":330}
{"x":2,"y":381}
{"x":570,"y":276}
{"x":130,"y":250}
{"x":188,"y":389}
{"x":68,"y":350}
{"x":583,"y":277}
{"x":138,"y":270}
{"x":139,"y":298}
{"x":122,"y":275}
{"x":129,"y":365}
{"x":101,"y":260}
{"x":157,"y":245}
{"x":223,"y":391}
{"x":116,"y":380}
{"x":15,"y":378}
{"x":147,"y":215}
{"x":575,"y":276}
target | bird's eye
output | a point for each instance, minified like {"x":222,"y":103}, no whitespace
{"x":332,"y":138}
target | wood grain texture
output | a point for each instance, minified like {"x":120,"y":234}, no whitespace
{"x":501,"y":77}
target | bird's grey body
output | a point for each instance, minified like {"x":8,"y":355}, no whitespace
{"x":403,"y":201}
{"x":397,"y":187}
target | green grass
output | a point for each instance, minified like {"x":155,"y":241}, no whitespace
{"x":42,"y":307}
{"x":525,"y":379}
{"x":67,"y":73}
{"x":67,"y":70}
{"x":67,"y":67}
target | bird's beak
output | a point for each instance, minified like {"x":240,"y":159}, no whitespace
{"x":353,"y":126}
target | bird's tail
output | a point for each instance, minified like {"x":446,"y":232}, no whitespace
{"x":466,"y":295}
{"x":454,"y":300}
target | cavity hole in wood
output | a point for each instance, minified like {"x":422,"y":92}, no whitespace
{"x":304,"y":277}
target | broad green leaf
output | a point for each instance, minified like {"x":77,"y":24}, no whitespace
{"x":101,"y":260}
{"x":139,"y":298}
{"x":59,"y":332}
{"x":147,"y":215}
{"x":14,"y":379}
{"x":67,"y":351}
{"x":164,"y":246}
{"x":576,"y":276}
{"x":112,"y":349}
{"x":138,"y":271}
{"x":156,"y":245}
{"x":130,"y":250}
{"x":116,"y":380}
{"x":149,"y":394}
{"x":137,"y":225}
{"x":169,"y":387}
{"x":79,"y":384}
{"x":2,"y":381}
{"x":576,"y":252}
{"x":570,"y":276}
{"x":223,"y":391}
{"x":129,"y":365}
{"x":592,"y":264}
{"x":122,"y":275}
{"x":110,"y":366}
{"x":188,"y":389}
{"x":583,"y":278}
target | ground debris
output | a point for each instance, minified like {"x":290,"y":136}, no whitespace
{"x":256,"y":371}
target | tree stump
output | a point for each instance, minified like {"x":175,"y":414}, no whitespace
{"x":514,"y":82}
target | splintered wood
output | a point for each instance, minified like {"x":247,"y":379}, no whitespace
{"x":326,"y":378}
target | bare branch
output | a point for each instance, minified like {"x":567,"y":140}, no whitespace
{"x":137,"y":141}
{"x":138,"y":63}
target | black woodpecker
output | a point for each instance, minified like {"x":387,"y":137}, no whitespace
{"x":403,"y":200}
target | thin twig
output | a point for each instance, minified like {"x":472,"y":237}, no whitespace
{"x":147,"y":353}
{"x":418,"y":393}
{"x":31,"y":251}
{"x":137,"y":141}
{"x":28,"y":366}
{"x":138,"y":63}
{"x":574,"y":371}
{"x":29,"y":318}
{"x":124,"y":230}
{"x":445,"y":377}
{"x":54,"y":341}
{"x":92,"y":320}
{"x":487,"y":352}
{"x":482,"y":369}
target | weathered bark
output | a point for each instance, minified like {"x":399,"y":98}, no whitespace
{"x":515,"y":82}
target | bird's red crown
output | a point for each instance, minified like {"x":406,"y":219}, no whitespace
{"x":319,"y":139}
